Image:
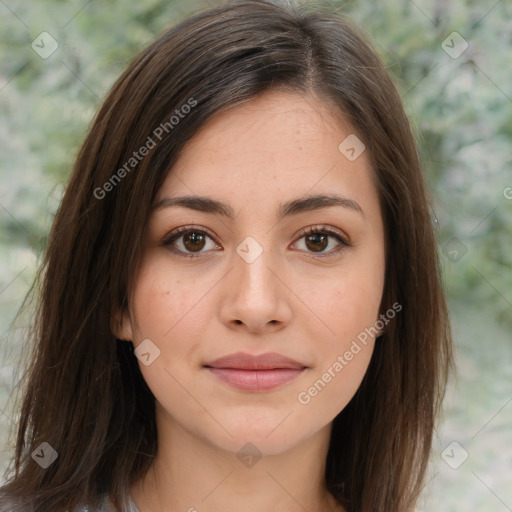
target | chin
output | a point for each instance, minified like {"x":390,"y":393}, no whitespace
{"x":272,"y":435}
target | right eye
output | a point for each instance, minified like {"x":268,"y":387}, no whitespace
{"x":188,"y":242}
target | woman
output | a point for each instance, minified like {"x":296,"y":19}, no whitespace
{"x":241,"y":302}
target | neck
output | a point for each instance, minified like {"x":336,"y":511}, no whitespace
{"x":191,"y":474}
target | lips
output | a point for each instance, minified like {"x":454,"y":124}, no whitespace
{"x":243,"y":361}
{"x":263,"y":372}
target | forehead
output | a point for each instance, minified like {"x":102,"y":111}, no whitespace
{"x":279,"y":123}
{"x":277,"y":145}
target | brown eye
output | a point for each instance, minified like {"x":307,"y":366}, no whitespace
{"x":189,"y":242}
{"x":317,"y":242}
{"x":194,"y":241}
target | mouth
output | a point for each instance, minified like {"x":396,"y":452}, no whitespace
{"x":264,"y":372}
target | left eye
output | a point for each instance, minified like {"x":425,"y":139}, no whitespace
{"x":190,"y":242}
{"x":317,"y":239}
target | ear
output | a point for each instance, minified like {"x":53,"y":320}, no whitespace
{"x":121,"y":323}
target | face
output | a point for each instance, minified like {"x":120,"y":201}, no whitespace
{"x":258,"y":267}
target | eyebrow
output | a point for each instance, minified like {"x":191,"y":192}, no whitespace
{"x":294,"y":207}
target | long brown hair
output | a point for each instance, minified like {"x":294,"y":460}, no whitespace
{"x":83,"y":392}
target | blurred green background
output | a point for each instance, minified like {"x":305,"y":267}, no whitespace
{"x":451,"y":61}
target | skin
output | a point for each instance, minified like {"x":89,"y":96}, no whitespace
{"x":275,"y":148}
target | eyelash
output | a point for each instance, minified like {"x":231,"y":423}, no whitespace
{"x":179,"y":232}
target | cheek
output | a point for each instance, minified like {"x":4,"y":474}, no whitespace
{"x":344,"y":303}
{"x":332,"y":388}
{"x":349,"y":309}
{"x":167,"y":309}
{"x":166,"y":302}
{"x":171,"y":310}
{"x":348,"y":305}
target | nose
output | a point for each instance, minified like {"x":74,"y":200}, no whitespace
{"x":255,"y":297}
